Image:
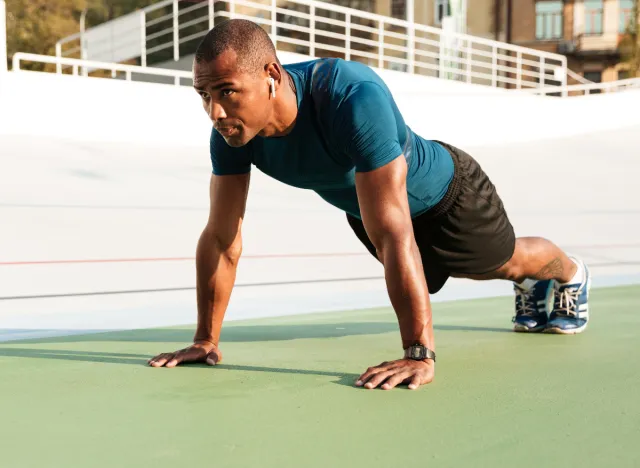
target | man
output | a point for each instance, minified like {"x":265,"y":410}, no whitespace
{"x":425,"y":209}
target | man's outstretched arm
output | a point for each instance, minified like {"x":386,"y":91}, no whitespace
{"x":217,"y":257}
{"x":384,"y":207}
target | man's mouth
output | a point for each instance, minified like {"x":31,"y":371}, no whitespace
{"x":227,"y":131}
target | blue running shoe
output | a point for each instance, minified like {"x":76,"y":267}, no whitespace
{"x":531,"y":307}
{"x":570,"y":313}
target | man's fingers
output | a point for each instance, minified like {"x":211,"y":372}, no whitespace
{"x":159,"y":360}
{"x":186,"y":355}
{"x":212,"y":359}
{"x":378,"y":378}
{"x":415,"y":382}
{"x":194,"y":353}
{"x":174,"y":360}
{"x":397,"y":379}
{"x":371,"y":371}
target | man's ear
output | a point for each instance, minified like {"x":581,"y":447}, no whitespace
{"x":274,"y":71}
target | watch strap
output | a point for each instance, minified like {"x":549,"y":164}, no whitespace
{"x":419,"y":352}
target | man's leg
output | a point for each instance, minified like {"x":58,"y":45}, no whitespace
{"x":545,"y":277}
{"x":476,"y":240}
{"x":534,"y":258}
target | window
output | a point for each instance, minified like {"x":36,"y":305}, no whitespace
{"x":549,"y":20}
{"x":596,"y":77}
{"x":442,"y":9}
{"x":593,"y":10}
{"x":626,"y":16}
{"x":399,"y":9}
{"x":624,"y":74}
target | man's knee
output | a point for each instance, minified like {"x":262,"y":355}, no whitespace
{"x":513,"y":269}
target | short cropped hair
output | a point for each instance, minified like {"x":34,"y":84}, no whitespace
{"x":251,"y":43}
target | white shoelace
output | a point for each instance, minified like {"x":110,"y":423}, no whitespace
{"x":525,"y":302}
{"x":566,"y":302}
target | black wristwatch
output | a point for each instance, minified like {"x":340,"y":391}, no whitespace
{"x":419,"y":352}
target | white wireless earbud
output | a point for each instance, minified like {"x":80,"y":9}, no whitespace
{"x":272,"y":87}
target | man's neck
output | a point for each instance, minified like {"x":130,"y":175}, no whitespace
{"x":285,"y":110}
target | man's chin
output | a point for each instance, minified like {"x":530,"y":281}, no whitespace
{"x":236,"y":141}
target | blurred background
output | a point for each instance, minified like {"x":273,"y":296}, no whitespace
{"x":105,"y":165}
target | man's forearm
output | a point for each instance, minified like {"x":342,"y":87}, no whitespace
{"x":216,"y":274}
{"x":408,"y":291}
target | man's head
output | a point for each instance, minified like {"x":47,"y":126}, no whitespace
{"x":232,"y":67}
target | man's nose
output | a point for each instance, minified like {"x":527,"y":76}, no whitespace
{"x":216,"y":112}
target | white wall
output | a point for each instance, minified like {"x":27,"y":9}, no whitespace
{"x":113,"y":110}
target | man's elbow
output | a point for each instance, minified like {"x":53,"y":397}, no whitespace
{"x":398,"y":242}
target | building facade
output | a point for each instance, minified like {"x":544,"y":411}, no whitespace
{"x":588,"y":32}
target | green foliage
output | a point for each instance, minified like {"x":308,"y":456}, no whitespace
{"x":630,"y":44}
{"x":36,"y":25}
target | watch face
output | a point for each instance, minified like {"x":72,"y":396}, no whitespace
{"x":417,"y":352}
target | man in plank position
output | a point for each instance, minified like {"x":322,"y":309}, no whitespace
{"x":425,"y":209}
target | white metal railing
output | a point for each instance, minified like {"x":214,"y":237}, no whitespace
{"x":579,"y":78}
{"x":591,"y":88}
{"x":319,"y":29}
{"x":77,"y":65}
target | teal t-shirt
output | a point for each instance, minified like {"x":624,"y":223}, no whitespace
{"x":347,"y":122}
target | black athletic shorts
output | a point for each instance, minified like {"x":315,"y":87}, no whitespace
{"x":467,"y":232}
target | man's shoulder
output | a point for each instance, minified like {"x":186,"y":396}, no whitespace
{"x":332,"y":75}
{"x":337,"y":76}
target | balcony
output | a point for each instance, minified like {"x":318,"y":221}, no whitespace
{"x":588,"y":43}
{"x":592,"y":45}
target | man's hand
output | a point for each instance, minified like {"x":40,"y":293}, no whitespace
{"x":402,"y":371}
{"x":200,"y":351}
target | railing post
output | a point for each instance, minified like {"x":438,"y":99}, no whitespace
{"x":380,"y":44}
{"x":128,"y":75}
{"x":565,"y":92}
{"x":176,"y":32}
{"x":441,"y":56}
{"x":542,"y":72}
{"x":312,"y":32}
{"x":274,"y":23}
{"x":519,"y":70}
{"x":494,"y":66}
{"x":412,"y":35}
{"x":143,"y":38}
{"x":232,"y":9}
{"x":469,"y":59}
{"x":347,"y":33}
{"x":210,"y":14}
{"x":3,"y":37}
{"x":83,"y":49}
{"x":59,"y":55}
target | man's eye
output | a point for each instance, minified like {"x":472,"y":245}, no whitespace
{"x":205,"y":96}
{"x":227,"y":92}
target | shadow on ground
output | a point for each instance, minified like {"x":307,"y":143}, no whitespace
{"x":141,"y":360}
{"x":176,"y":338}
{"x":243,"y":333}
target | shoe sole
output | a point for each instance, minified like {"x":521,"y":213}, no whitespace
{"x":560,"y":331}
{"x":523,"y":329}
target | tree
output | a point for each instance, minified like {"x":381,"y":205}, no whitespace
{"x":36,"y":25}
{"x":630,"y":44}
